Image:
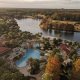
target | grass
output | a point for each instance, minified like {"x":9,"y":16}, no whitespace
{"x":65,"y":22}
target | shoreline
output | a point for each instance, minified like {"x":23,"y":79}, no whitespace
{"x":60,"y":38}
{"x":31,"y":17}
{"x":65,"y":32}
{"x":46,"y":28}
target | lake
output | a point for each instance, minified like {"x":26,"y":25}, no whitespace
{"x":32,"y":25}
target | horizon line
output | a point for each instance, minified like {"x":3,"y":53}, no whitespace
{"x":36,"y":8}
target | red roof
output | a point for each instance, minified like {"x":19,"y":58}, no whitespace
{"x":4,"y":50}
{"x":65,"y":48}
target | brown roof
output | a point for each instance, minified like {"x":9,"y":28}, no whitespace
{"x":4,"y":50}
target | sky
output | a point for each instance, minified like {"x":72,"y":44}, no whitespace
{"x":51,"y":4}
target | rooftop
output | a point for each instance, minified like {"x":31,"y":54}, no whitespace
{"x":4,"y":50}
{"x":65,"y":48}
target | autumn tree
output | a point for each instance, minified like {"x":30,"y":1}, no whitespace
{"x":52,"y":68}
{"x":76,"y":70}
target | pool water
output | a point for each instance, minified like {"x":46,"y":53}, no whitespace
{"x":31,"y":53}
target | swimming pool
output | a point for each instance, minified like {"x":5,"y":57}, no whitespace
{"x":30,"y":53}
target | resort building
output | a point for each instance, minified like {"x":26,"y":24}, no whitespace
{"x":4,"y":51}
{"x":65,"y":50}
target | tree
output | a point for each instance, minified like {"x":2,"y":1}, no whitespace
{"x":46,"y":76}
{"x":76,"y":70}
{"x":53,"y":67}
{"x":35,"y":65}
{"x":7,"y":72}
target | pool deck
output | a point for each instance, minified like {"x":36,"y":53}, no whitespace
{"x":25,"y":72}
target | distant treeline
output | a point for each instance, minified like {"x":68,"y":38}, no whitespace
{"x":56,"y":14}
{"x":63,"y":16}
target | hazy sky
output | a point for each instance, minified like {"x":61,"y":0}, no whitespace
{"x":68,"y":4}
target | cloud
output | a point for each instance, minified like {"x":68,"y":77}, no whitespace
{"x":41,"y":3}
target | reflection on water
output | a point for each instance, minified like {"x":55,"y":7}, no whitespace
{"x":66,"y":35}
{"x":32,"y":26}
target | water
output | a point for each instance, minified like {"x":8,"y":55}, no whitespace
{"x":32,"y":25}
{"x":30,"y":53}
